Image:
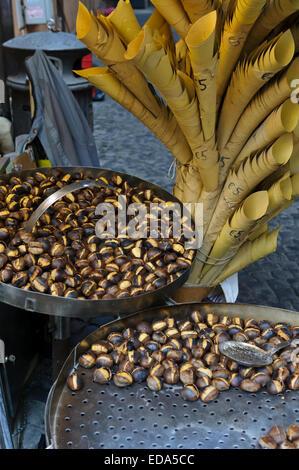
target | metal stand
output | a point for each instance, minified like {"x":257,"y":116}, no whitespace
{"x":5,"y":412}
{"x":60,"y":343}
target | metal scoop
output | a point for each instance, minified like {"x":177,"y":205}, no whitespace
{"x":249,"y":354}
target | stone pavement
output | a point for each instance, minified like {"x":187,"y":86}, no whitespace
{"x":124,"y":144}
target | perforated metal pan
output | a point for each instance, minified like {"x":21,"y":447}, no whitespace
{"x":59,"y":306}
{"x":104,"y":416}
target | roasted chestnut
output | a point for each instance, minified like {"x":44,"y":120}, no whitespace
{"x":102,"y":375}
{"x":190,"y":392}
{"x":75,"y":382}
{"x":122,"y":379}
{"x":87,"y":360}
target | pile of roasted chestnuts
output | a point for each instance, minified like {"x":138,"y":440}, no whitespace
{"x":167,"y":351}
{"x":63,"y":256}
{"x":278,"y":438}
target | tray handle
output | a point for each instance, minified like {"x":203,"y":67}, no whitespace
{"x":70,"y":188}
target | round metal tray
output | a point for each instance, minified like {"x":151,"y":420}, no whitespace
{"x":104,"y":416}
{"x":60,"y":306}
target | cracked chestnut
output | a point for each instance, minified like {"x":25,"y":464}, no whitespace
{"x":122,"y":379}
{"x":102,"y":375}
{"x":75,"y":382}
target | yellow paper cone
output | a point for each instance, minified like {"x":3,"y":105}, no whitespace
{"x":238,"y":24}
{"x":124,"y":20}
{"x":164,"y":126}
{"x":183,"y":57}
{"x":101,"y":38}
{"x":250,"y":252}
{"x":179,"y":93}
{"x":235,"y":232}
{"x":270,"y":96}
{"x":201,"y":40}
{"x":241,"y":182}
{"x":235,"y":229}
{"x":201,"y":43}
{"x":192,"y":184}
{"x":279,"y":194}
{"x":196,"y":9}
{"x":249,"y":76}
{"x":258,"y":232}
{"x":273,"y":14}
{"x":174,"y":14}
{"x":282,"y":119}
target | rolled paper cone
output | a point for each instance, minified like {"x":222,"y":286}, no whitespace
{"x":242,"y":181}
{"x":236,"y":29}
{"x":201,"y":43}
{"x":100,"y":37}
{"x":270,"y":96}
{"x":282,"y":208}
{"x":249,"y":76}
{"x":295,"y":186}
{"x":280,"y":198}
{"x":207,"y":161}
{"x":87,"y":28}
{"x":142,"y":46}
{"x":250,"y":252}
{"x":157,"y":22}
{"x":124,"y":20}
{"x":273,"y":14}
{"x":205,"y":84}
{"x":192,"y":184}
{"x":178,"y":91}
{"x":201,"y":40}
{"x":283,"y":119}
{"x":258,"y":232}
{"x":164,"y":126}
{"x":209,"y":200}
{"x":279,"y":193}
{"x":182,"y":57}
{"x":176,"y":88}
{"x":178,"y":189}
{"x":174,"y":14}
{"x":235,"y":229}
{"x":196,"y":9}
{"x":252,"y":209}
